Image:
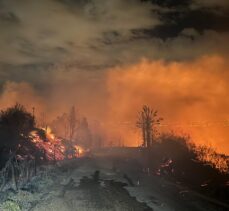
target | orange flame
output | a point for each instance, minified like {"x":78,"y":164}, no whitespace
{"x":53,"y":147}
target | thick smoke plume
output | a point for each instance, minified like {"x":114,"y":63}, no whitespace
{"x":22,"y":93}
{"x":191,"y":96}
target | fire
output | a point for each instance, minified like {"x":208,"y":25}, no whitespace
{"x":79,"y":150}
{"x":49,"y":135}
{"x":54,"y":148}
{"x":218,"y":161}
{"x":191,"y":96}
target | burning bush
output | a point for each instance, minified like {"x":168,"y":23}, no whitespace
{"x":54,"y":148}
{"x":178,"y":158}
{"x":19,"y":135}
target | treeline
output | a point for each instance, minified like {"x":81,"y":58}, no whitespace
{"x":73,"y":127}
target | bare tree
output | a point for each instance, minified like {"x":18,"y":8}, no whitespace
{"x":148,"y":121}
{"x":65,"y":124}
{"x":61,"y":125}
{"x":84,"y":135}
{"x":72,"y":122}
{"x":43,"y":122}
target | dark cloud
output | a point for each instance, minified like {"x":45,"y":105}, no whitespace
{"x":9,"y":17}
{"x":36,"y":74}
{"x":222,"y":5}
{"x":49,"y":29}
{"x":200,"y":15}
{"x":91,"y":35}
{"x":171,"y":3}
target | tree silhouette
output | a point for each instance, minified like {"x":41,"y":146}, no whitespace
{"x":148,"y":121}
{"x":15,"y":124}
{"x":61,"y":126}
{"x":84,"y":134}
{"x":72,"y":122}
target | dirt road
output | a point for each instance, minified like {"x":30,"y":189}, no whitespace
{"x":95,"y":184}
{"x":85,"y":185}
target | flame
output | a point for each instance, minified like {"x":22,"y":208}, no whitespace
{"x":54,"y":148}
{"x":218,"y":161}
{"x":49,"y":135}
{"x":79,"y":150}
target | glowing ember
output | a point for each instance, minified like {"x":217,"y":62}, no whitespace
{"x":54,"y":148}
{"x":79,"y":150}
{"x":218,"y":161}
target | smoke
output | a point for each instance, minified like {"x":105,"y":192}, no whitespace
{"x":22,"y":93}
{"x":191,"y":96}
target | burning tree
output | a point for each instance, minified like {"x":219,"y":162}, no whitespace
{"x":148,"y":121}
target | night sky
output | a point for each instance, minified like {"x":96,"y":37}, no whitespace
{"x":110,"y":55}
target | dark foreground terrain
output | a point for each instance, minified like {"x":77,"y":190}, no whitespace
{"x":99,"y":183}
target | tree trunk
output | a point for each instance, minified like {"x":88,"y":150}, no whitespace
{"x":14,"y":180}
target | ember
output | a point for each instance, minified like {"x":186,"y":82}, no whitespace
{"x":218,"y":161}
{"x":54,"y":148}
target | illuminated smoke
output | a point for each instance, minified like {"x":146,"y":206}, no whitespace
{"x":22,"y":93}
{"x":191,"y":96}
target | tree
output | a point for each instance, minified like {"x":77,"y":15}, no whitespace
{"x":72,"y":122}
{"x":61,"y":126}
{"x":84,"y":134}
{"x":148,"y":121}
{"x":43,"y":122}
{"x":15,"y":124}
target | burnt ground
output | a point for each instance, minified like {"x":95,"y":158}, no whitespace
{"x":96,"y":184}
